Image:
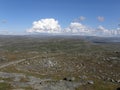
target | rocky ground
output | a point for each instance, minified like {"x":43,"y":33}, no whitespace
{"x":58,"y":63}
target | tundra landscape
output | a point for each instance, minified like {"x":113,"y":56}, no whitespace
{"x":59,"y":44}
{"x":59,"y":62}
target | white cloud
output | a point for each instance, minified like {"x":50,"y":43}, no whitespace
{"x":48,"y":25}
{"x":77,"y":28}
{"x":51,"y":25}
{"x":116,"y":32}
{"x":102,"y":31}
{"x":100,"y":18}
{"x":80,"y":29}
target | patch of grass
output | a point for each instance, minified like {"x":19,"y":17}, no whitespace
{"x":5,"y":86}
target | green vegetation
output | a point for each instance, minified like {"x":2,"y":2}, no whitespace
{"x":5,"y":86}
{"x":62,"y":57}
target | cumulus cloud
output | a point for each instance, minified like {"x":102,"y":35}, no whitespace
{"x":78,"y":28}
{"x":100,"y":18}
{"x":102,"y":31}
{"x":51,"y":25}
{"x":48,"y":25}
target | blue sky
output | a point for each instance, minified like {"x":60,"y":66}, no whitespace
{"x":18,"y":15}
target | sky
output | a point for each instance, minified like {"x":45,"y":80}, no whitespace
{"x":84,"y":17}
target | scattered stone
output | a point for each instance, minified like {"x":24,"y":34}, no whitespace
{"x":2,"y":59}
{"x":118,"y":81}
{"x":69,"y":78}
{"x":73,"y":78}
{"x":113,"y":58}
{"x":112,"y":80}
{"x":1,"y":81}
{"x":108,"y":79}
{"x":28,"y":63}
{"x":90,"y":82}
{"x":83,"y":77}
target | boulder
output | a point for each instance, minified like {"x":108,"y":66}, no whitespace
{"x":90,"y":82}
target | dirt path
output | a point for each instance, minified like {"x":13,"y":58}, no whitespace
{"x":15,"y":62}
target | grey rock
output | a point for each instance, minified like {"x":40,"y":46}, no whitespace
{"x":69,"y":78}
{"x":1,"y":81}
{"x":90,"y":82}
{"x":118,"y":81}
{"x":112,"y":80}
